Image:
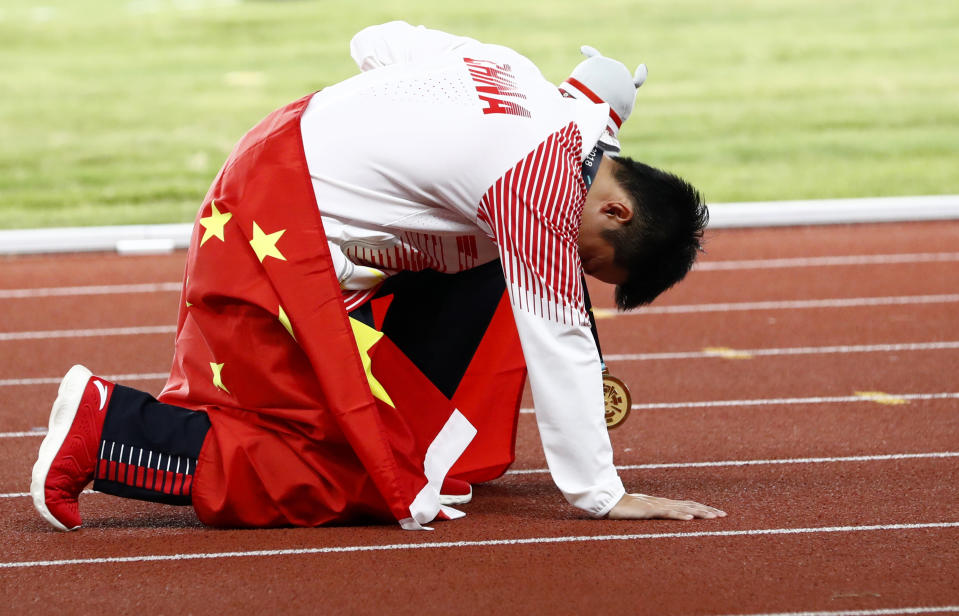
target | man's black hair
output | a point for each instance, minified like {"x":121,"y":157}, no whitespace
{"x":659,"y":244}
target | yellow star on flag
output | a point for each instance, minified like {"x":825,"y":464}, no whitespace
{"x":285,"y":320}
{"x":265,"y":245}
{"x":217,"y":376}
{"x":214,"y":223}
{"x":366,"y":337}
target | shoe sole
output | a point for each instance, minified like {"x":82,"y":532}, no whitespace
{"x":62,"y":414}
{"x":456,"y":499}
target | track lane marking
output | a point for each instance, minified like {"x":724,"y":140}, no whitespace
{"x":26,"y":494}
{"x":710,"y":464}
{"x":706,"y":266}
{"x":530,"y":411}
{"x":881,"y":397}
{"x":882,"y":259}
{"x":55,"y":380}
{"x":845,"y":302}
{"x":89,"y":333}
{"x":24,"y":434}
{"x":713,"y":353}
{"x":771,"y":461}
{"x":153,"y":287}
{"x":852,"y":302}
{"x":777,"y":401}
{"x":485,"y":543}
{"x":727,"y":353}
{"x":706,"y":354}
{"x":943,"y":609}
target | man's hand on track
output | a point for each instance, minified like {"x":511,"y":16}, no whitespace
{"x":643,"y":507}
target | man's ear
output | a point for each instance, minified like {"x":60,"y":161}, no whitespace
{"x":619,"y":210}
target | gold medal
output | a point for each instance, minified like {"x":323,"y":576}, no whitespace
{"x":618,"y":400}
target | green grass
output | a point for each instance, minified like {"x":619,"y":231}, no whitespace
{"x":116,"y":112}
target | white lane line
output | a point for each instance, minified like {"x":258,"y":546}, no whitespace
{"x":779,"y":401}
{"x":712,"y":354}
{"x":159,"y":287}
{"x":486,"y":543}
{"x":25,"y":494}
{"x":738,"y":463}
{"x":886,"y":259}
{"x":740,"y":264}
{"x":942,"y":609}
{"x":675,"y":309}
{"x":55,"y":380}
{"x":89,"y":333}
{"x":848,"y":302}
{"x":824,"y":350}
{"x":873,"y":348}
{"x":711,"y":464}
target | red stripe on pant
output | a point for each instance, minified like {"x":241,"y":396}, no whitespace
{"x":131,"y":475}
{"x":168,"y":482}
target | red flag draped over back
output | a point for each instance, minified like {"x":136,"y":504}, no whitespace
{"x":265,"y":347}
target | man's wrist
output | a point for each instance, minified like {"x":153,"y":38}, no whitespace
{"x":614,"y":499}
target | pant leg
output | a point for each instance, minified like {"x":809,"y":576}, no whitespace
{"x":439,"y":320}
{"x":458,"y":330}
{"x":148,"y":450}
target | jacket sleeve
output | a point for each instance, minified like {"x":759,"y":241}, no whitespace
{"x":534,"y":212}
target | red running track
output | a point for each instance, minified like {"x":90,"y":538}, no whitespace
{"x":829,"y":430}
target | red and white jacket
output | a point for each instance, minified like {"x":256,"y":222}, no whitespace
{"x":446,"y":153}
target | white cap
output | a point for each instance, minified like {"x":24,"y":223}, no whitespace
{"x":605,"y":80}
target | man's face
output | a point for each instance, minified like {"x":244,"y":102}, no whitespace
{"x":595,"y":251}
{"x":607,"y":208}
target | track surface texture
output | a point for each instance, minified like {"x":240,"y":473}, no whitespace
{"x":806,"y":380}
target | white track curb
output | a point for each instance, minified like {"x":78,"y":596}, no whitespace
{"x":147,"y":239}
{"x":833,"y":211}
{"x":128,"y":239}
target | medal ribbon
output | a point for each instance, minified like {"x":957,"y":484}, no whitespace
{"x":590,"y":169}
{"x":618,"y":401}
{"x":592,"y":324}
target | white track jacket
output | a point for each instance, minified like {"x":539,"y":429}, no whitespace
{"x":446,"y":153}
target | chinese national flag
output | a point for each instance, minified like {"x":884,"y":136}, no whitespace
{"x":303,"y":433}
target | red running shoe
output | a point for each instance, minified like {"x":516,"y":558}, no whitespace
{"x":455,"y":492}
{"x":68,"y":454}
